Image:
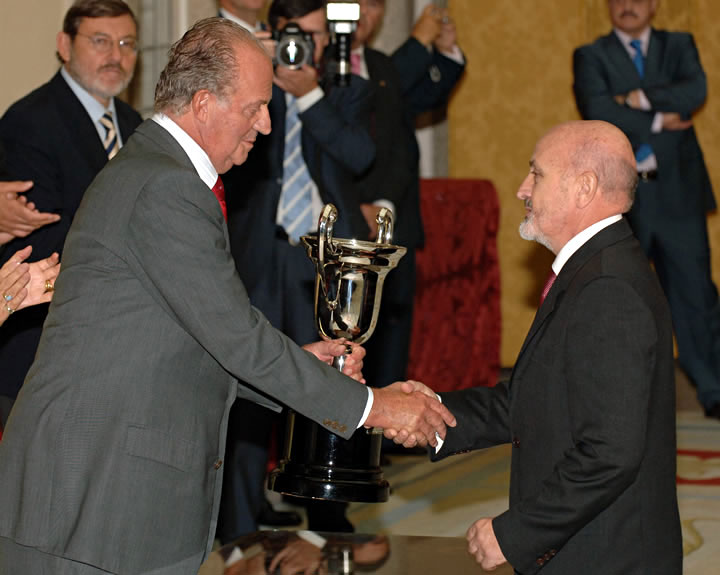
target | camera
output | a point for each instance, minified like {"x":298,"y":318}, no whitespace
{"x":342,"y":20}
{"x":295,"y":47}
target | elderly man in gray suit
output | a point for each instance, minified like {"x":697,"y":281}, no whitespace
{"x":112,"y":457}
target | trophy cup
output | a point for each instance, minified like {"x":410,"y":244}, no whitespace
{"x":316,"y":463}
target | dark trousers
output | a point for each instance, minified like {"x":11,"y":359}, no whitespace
{"x":679,"y":248}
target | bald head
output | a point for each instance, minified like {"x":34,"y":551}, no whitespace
{"x":581,"y":173}
{"x":602,"y":149}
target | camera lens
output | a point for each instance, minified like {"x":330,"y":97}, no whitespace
{"x":292,"y":53}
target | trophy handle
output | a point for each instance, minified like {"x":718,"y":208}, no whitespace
{"x":384,"y":221}
{"x":325,"y":230}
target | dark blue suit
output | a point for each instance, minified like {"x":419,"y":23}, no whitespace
{"x":279,"y":277}
{"x":668,"y":216}
{"x":49,"y":139}
{"x":411,"y":82}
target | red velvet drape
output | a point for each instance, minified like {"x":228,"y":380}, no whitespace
{"x":456,"y":327}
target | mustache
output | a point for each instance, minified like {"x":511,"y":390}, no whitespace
{"x":628,"y":13}
{"x":112,"y":66}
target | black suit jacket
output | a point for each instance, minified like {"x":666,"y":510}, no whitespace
{"x":674,"y":81}
{"x":336,"y":146}
{"x":590,"y":412}
{"x":49,"y":139}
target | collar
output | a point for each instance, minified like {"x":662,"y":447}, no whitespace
{"x":199,"y":158}
{"x":625,"y":39}
{"x":94,"y":108}
{"x":581,"y":239}
{"x":249,"y":27}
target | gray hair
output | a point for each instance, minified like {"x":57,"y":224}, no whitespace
{"x":203,"y":59}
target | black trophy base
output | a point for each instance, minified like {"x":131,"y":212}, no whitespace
{"x":318,"y":464}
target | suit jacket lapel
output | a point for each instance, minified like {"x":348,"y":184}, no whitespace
{"x":620,"y":57}
{"x":599,"y":241}
{"x":77,"y":122}
{"x":654,"y":58}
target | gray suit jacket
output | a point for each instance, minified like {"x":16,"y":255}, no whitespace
{"x":113,"y":453}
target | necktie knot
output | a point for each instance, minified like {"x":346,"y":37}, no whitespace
{"x":548,"y":284}
{"x":219,"y":191}
{"x":110,"y":142}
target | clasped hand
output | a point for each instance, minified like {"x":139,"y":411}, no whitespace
{"x":410,"y":414}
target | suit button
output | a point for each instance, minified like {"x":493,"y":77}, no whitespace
{"x":343,"y":428}
{"x":547,"y":556}
{"x":218,"y":464}
{"x":515,"y":442}
{"x":327,"y":422}
{"x":540,"y":561}
{"x":552,"y":552}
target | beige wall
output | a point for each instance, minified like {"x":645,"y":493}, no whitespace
{"x":518,"y":84}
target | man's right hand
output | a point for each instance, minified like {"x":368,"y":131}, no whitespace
{"x":415,"y":415}
{"x":18,"y":217}
{"x":429,"y":26}
{"x":674,"y":122}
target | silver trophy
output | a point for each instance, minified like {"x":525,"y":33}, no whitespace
{"x":348,"y":288}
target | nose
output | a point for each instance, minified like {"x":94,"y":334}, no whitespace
{"x":525,"y":189}
{"x":263,"y":124}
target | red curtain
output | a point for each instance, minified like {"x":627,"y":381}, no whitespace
{"x":456,"y":326}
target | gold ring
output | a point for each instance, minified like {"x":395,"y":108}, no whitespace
{"x":9,"y":310}
{"x":7,"y":297}
{"x":49,"y":286}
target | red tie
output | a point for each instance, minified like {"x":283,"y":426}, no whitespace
{"x":548,"y":285}
{"x":219,"y":191}
{"x":355,"y":63}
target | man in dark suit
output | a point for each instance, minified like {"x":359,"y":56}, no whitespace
{"x":334,"y":147}
{"x":590,"y":405}
{"x":418,"y":78}
{"x":56,"y":138}
{"x":649,"y":83}
{"x":111,"y":461}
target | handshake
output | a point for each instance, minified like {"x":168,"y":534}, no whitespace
{"x":410,"y":414}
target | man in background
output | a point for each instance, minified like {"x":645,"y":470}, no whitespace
{"x":318,"y":145}
{"x":59,"y":137}
{"x":649,"y":83}
{"x":112,"y":459}
{"x":590,"y":405}
{"x":419,"y":77}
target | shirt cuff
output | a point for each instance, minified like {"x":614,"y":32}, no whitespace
{"x":455,"y":55}
{"x":368,"y":407}
{"x":383,"y":203}
{"x":657,"y":123}
{"x":312,"y":537}
{"x":310,"y":99}
{"x":643,"y":101}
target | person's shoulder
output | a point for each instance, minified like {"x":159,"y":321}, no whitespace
{"x":38,"y":101}
{"x":673,"y":37}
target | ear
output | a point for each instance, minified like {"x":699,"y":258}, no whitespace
{"x":63,"y":43}
{"x":586,"y":188}
{"x":201,"y":104}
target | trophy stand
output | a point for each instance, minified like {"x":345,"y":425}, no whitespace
{"x":316,"y":463}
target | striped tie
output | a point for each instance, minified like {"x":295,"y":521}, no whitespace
{"x":110,"y":143}
{"x":295,"y":206}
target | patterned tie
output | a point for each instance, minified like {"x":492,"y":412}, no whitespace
{"x":644,"y":151}
{"x":110,"y":143}
{"x":219,"y":191}
{"x":295,"y":206}
{"x":548,"y":284}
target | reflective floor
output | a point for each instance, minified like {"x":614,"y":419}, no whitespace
{"x":289,"y":552}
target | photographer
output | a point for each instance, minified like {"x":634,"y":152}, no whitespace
{"x":320,"y":142}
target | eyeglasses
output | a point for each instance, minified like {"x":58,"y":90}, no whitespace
{"x":104,"y":44}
